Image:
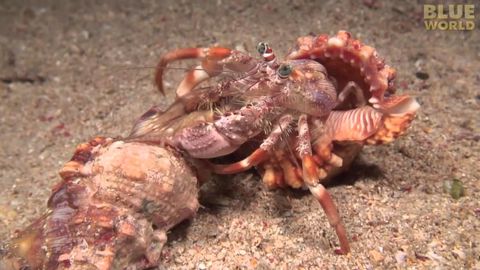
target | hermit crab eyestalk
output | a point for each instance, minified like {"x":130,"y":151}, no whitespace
{"x":266,"y":52}
{"x":284,"y":71}
{"x":262,"y":48}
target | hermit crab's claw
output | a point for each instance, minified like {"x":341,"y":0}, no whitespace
{"x":208,"y":68}
{"x":383,"y":123}
{"x":398,"y":105}
{"x":214,"y":61}
{"x":398,"y":112}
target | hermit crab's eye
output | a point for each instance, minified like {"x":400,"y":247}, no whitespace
{"x":284,"y":71}
{"x":262,"y":48}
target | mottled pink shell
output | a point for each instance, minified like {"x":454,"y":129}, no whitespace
{"x":112,"y":209}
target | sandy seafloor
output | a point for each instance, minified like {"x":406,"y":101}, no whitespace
{"x":71,"y":70}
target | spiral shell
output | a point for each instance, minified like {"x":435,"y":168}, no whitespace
{"x":346,"y":60}
{"x":112,"y":210}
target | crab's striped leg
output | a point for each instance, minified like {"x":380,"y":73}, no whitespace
{"x":323,"y":197}
{"x":310,"y":175}
{"x":260,"y":154}
{"x":257,"y":157}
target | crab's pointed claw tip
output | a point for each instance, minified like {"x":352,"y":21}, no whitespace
{"x":340,"y":251}
{"x":399,"y":105}
{"x":160,"y":89}
{"x":159,"y":86}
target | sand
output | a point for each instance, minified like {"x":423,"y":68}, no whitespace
{"x":70,"y":71}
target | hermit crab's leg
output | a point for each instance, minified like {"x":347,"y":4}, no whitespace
{"x":323,"y":197}
{"x":364,"y":125}
{"x":214,"y":60}
{"x":272,"y":177}
{"x":304,"y":150}
{"x":310,"y":174}
{"x":260,"y":154}
{"x":323,"y":146}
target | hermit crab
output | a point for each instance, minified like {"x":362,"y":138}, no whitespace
{"x":305,"y":119}
{"x":329,"y":92}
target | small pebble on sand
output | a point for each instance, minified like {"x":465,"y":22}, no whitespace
{"x":454,"y":188}
{"x":400,"y":257}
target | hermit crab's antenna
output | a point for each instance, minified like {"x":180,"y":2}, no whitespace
{"x":267,"y":53}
